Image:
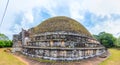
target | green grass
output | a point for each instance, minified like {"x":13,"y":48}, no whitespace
{"x":8,"y":59}
{"x":114,"y":58}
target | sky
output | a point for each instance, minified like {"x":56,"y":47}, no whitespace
{"x":96,"y":15}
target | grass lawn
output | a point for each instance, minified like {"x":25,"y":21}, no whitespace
{"x":114,"y":58}
{"x":8,"y":59}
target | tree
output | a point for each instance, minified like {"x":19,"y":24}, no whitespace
{"x":96,"y":37}
{"x":118,"y":42}
{"x":10,"y":43}
{"x":3,"y":37}
{"x":106,"y":39}
{"x":2,"y":44}
{"x":4,"y":41}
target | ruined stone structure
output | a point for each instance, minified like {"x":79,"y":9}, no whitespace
{"x":58,"y":38}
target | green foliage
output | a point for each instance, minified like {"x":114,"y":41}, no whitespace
{"x":3,"y":37}
{"x":5,"y":43}
{"x":106,"y":39}
{"x":60,"y":23}
{"x":96,"y":37}
{"x":2,"y":44}
{"x":118,"y":42}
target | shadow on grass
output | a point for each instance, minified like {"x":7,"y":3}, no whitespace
{"x":118,"y":48}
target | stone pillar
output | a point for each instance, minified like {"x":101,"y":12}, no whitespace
{"x":51,"y":43}
{"x":62,"y":43}
{"x":97,"y":52}
{"x":23,"y":37}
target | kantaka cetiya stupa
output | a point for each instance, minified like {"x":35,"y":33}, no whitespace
{"x":57,"y":38}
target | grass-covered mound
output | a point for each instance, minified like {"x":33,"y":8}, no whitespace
{"x":60,"y":23}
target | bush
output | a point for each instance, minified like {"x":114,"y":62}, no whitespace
{"x":5,"y":43}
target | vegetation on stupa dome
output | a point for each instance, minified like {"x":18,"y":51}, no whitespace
{"x":61,"y":23}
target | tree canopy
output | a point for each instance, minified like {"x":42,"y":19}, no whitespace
{"x":106,"y":39}
{"x":118,"y":42}
{"x":4,"y":41}
{"x":3,"y":37}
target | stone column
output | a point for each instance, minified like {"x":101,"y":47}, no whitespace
{"x":62,"y":43}
{"x":51,"y":43}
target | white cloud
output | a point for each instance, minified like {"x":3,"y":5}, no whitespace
{"x":102,"y":7}
{"x":17,"y":28}
{"x":29,"y":17}
{"x":107,"y":26}
{"x":75,"y":8}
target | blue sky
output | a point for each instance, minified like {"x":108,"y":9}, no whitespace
{"x":95,"y":15}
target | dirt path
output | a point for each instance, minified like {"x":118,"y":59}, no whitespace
{"x":22,"y":59}
{"x":90,"y":61}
